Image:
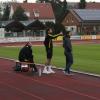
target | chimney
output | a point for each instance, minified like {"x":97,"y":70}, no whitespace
{"x":25,"y":1}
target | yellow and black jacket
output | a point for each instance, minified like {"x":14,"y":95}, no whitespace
{"x":48,"y":40}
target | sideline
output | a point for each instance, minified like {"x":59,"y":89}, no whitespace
{"x":80,"y":72}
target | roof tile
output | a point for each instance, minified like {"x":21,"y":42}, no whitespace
{"x":93,"y":5}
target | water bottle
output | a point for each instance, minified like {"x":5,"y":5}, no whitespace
{"x":39,"y":71}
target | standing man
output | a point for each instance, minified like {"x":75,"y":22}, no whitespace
{"x":49,"y":50}
{"x":67,"y":51}
{"x":25,"y":55}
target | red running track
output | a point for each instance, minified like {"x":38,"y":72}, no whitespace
{"x":29,"y":86}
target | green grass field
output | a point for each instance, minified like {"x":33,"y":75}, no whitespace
{"x":86,"y":57}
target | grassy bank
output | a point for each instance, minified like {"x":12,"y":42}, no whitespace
{"x":86,"y":57}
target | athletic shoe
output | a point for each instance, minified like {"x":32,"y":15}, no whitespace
{"x":69,"y":74}
{"x":50,"y":70}
{"x":45,"y":71}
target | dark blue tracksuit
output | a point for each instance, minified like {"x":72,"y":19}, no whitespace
{"x":68,"y":53}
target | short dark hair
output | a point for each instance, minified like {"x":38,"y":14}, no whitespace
{"x":66,"y":33}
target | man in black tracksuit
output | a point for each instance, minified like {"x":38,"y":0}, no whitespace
{"x":49,"y":50}
{"x":67,"y":51}
{"x":25,"y":55}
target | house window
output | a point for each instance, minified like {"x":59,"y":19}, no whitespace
{"x":27,"y":14}
{"x":66,"y":21}
{"x":36,"y":13}
{"x":72,"y":21}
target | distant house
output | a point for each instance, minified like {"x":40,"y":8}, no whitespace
{"x":42,"y":11}
{"x":83,"y":21}
{"x":73,"y":5}
{"x":89,"y":5}
{"x":92,"y":5}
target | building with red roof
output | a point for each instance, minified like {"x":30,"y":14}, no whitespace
{"x":92,"y":5}
{"x":43,"y":11}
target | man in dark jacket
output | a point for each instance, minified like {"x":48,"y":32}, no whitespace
{"x":25,"y":55}
{"x":67,"y":51}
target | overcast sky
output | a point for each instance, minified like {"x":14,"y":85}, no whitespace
{"x":62,"y":0}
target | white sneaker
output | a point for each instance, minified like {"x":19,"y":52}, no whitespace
{"x":50,"y":70}
{"x":45,"y":71}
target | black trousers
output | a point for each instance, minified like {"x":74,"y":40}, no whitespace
{"x":69,"y":61}
{"x":32,"y":65}
{"x":49,"y":52}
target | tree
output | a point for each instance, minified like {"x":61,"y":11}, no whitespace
{"x":57,"y":27}
{"x":64,"y":10}
{"x":19,"y":14}
{"x":59,"y":7}
{"x":0,"y":13}
{"x":82,"y":4}
{"x":46,"y":1}
{"x":39,"y":1}
{"x":5,"y":16}
{"x":49,"y":24}
{"x":64,"y":5}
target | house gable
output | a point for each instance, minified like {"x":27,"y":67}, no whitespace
{"x":71,"y":19}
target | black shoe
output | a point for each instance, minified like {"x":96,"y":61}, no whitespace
{"x":69,"y":74}
{"x":34,"y":70}
{"x":66,"y":73}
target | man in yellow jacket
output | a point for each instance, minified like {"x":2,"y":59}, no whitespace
{"x":49,"y":50}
